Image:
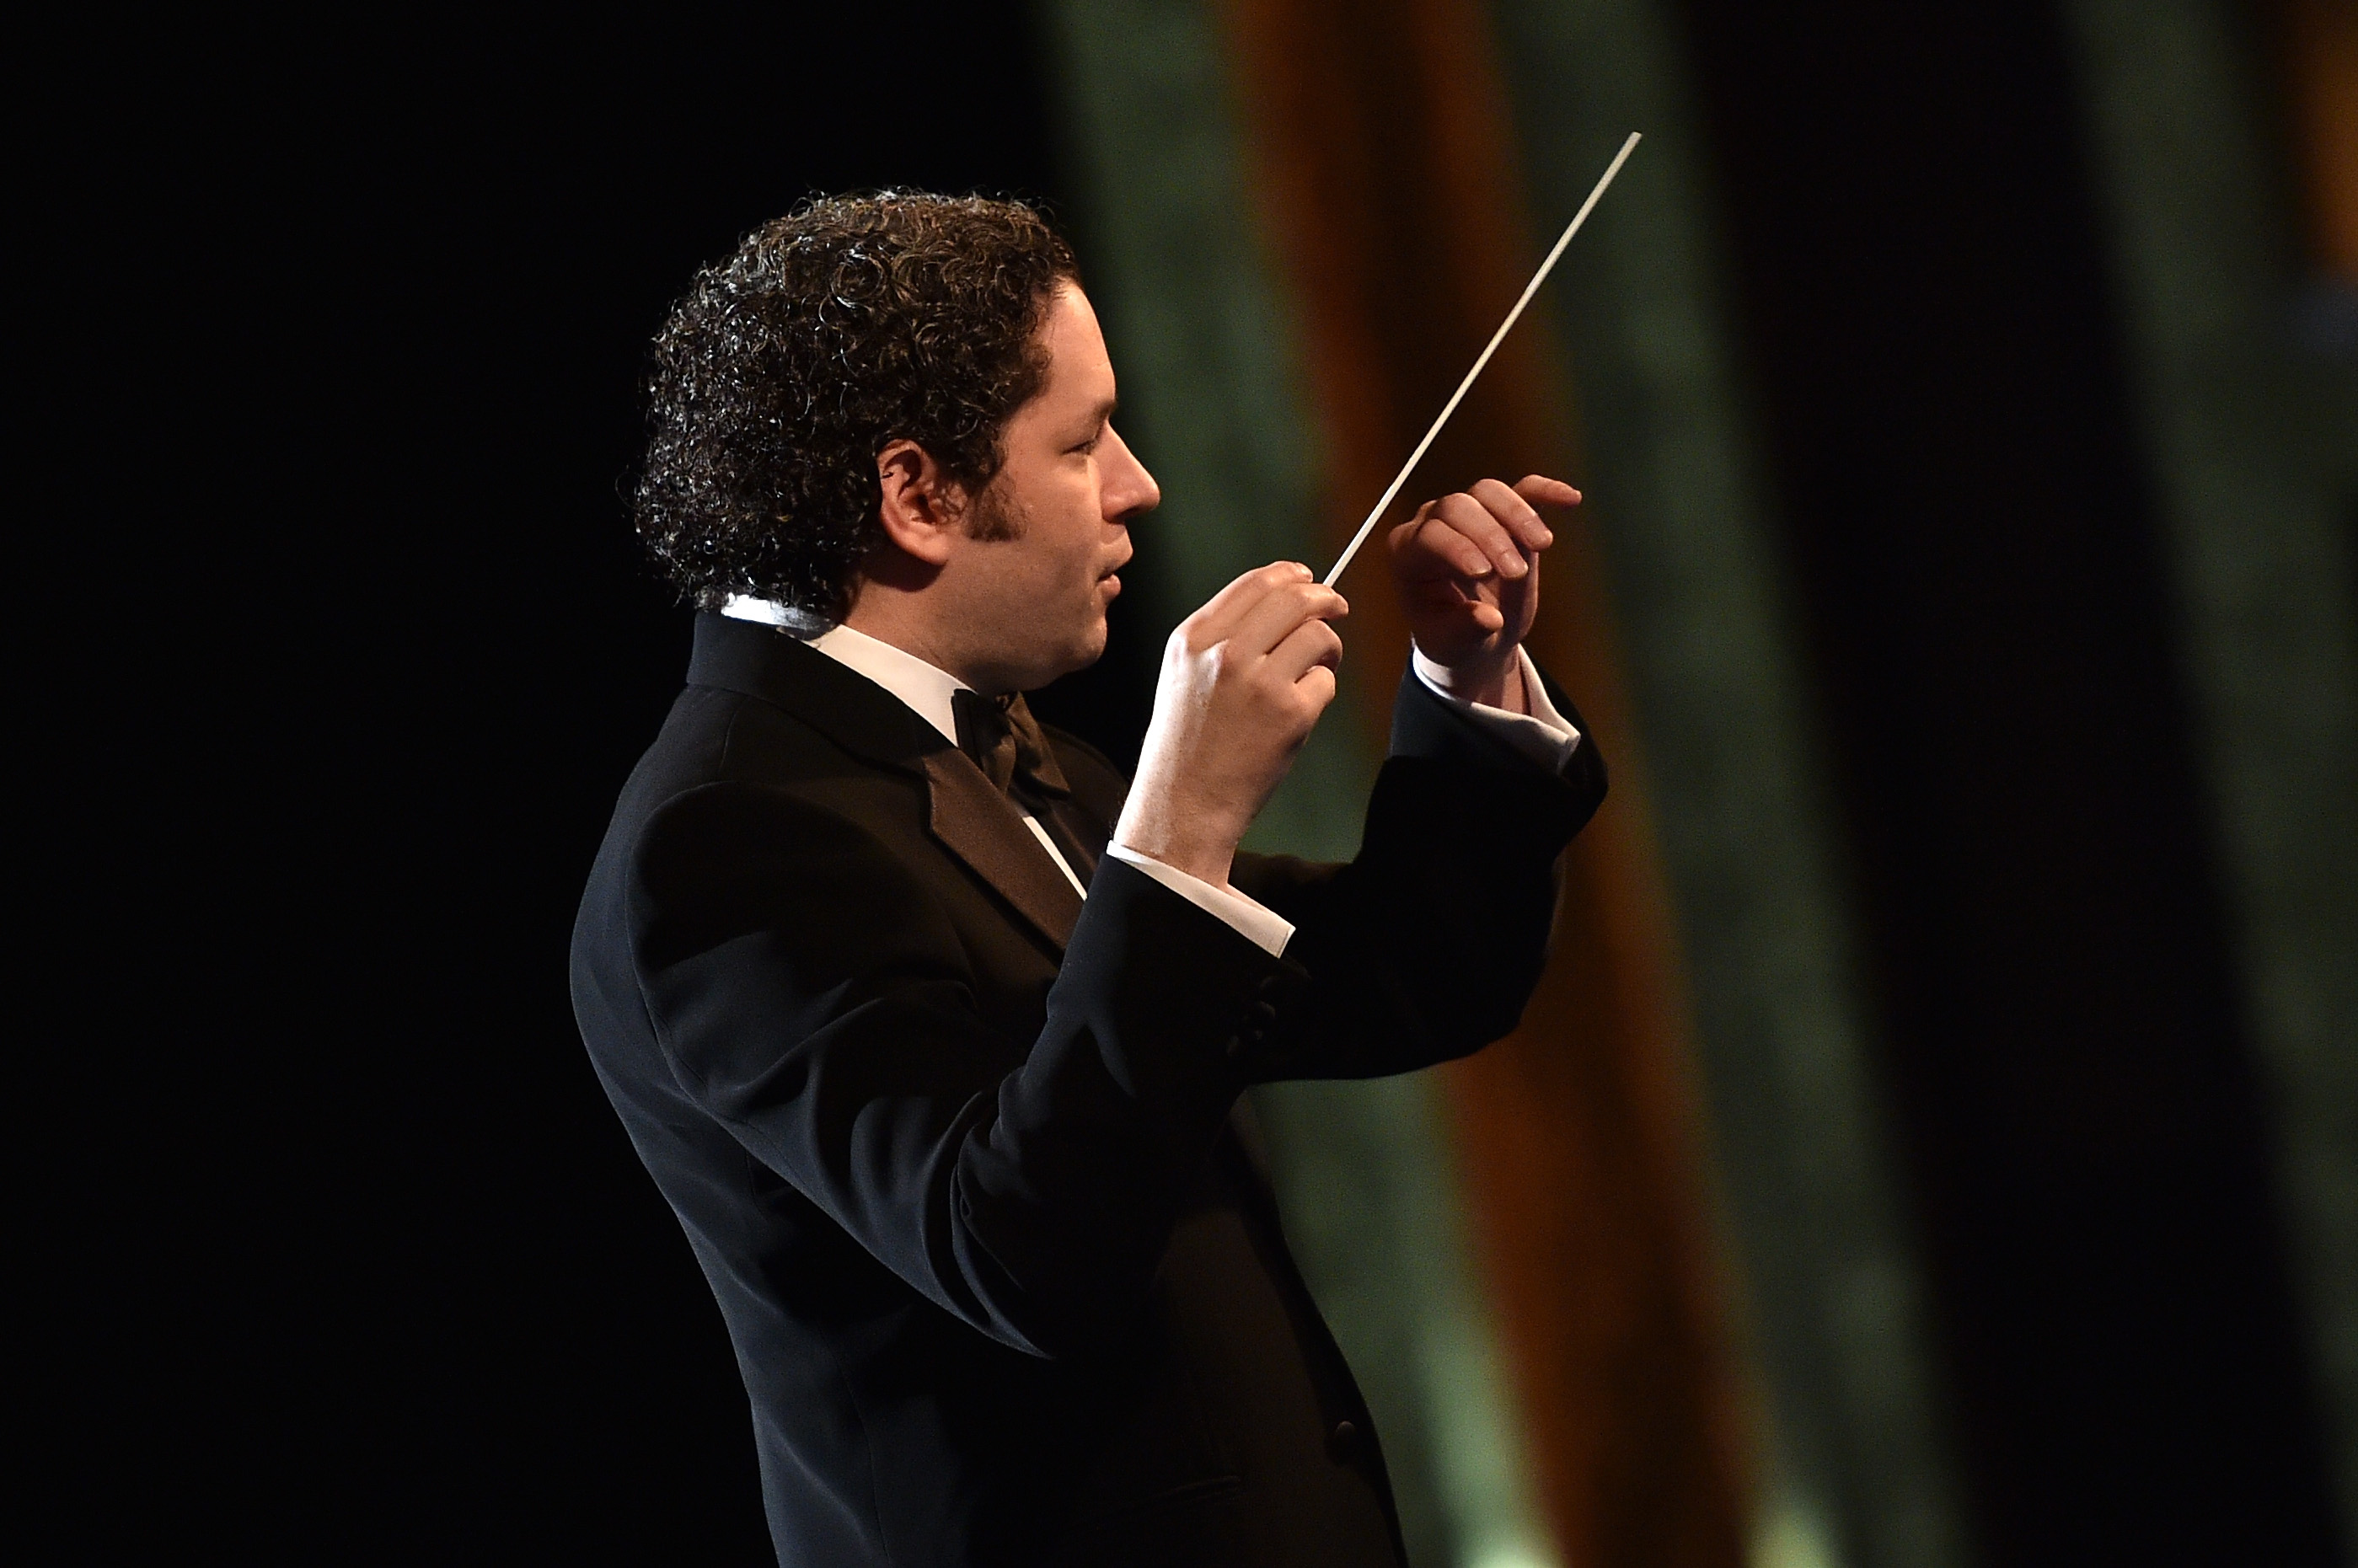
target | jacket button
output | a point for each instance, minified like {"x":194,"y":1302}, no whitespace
{"x":1342,"y":1440}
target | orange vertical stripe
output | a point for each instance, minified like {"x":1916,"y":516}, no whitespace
{"x":1385,"y":172}
{"x":2321,"y":57}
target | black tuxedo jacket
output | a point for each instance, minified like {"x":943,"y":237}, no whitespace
{"x":962,"y":1156}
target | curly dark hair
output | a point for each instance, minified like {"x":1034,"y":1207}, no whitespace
{"x":852,"y":322}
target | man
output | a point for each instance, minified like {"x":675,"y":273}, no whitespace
{"x":931,"y":1030}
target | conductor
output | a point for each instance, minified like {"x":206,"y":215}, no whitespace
{"x":931,"y":1026}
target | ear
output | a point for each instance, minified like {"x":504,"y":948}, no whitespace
{"x":922,"y":512}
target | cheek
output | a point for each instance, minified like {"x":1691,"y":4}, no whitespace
{"x":1084,"y":554}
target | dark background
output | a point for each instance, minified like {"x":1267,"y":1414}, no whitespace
{"x":418,"y":1298}
{"x":343,"y":353}
{"x":1916,"y":232}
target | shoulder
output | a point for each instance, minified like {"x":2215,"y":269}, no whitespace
{"x":730,"y":859}
{"x":736,"y":790}
{"x":734,"y":833}
{"x":713,"y":735}
{"x":746,"y":828}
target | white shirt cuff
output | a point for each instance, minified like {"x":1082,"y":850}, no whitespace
{"x":1265,"y":930}
{"x":1543,"y":735}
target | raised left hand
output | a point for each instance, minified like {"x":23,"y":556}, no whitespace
{"x":1468,"y":569}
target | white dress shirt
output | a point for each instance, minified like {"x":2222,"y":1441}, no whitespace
{"x":1543,"y":735}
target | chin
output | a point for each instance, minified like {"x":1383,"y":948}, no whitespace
{"x":1042,"y":665}
{"x":1088,"y":651}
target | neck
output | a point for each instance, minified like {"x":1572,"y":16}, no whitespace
{"x":901,"y":621}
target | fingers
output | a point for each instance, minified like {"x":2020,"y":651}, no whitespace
{"x":1227,"y":608}
{"x":1441,"y":603}
{"x":1492,"y":528}
{"x":1425,"y":547}
{"x":1314,"y":644}
{"x":1472,"y":516}
{"x":1514,"y":513}
{"x":1462,"y":534}
{"x":1317,"y":685}
{"x":1277,"y":613}
{"x":1539,"y":489}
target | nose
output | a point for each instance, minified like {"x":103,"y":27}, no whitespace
{"x":1128,"y":489}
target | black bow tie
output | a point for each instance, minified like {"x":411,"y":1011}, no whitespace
{"x":1004,"y":739}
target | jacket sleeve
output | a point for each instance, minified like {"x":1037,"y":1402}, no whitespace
{"x":809,"y":993}
{"x":1427,"y":945}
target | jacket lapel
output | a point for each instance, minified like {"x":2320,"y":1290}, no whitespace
{"x":1084,"y":830}
{"x":980,"y":827}
{"x":977,"y":823}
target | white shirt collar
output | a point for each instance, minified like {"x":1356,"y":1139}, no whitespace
{"x":925,"y":689}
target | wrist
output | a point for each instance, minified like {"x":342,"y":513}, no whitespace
{"x":1183,"y":840}
{"x":1208,"y":863}
{"x":1491,"y":680}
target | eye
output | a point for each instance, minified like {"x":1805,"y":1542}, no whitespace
{"x":1090,"y":446}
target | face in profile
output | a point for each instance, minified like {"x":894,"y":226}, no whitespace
{"x":1053,"y":526}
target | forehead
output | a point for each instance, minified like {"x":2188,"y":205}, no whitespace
{"x":1078,"y":365}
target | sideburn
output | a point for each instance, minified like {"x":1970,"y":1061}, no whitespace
{"x":991,"y":521}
